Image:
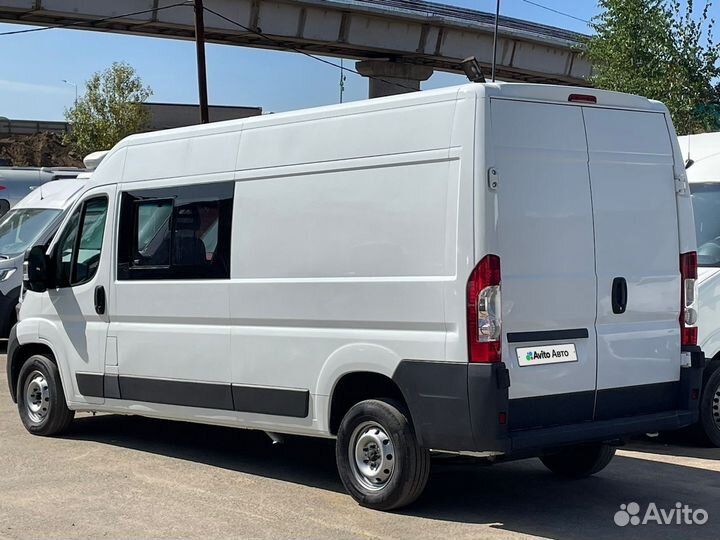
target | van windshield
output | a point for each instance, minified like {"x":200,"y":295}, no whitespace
{"x":19,"y":229}
{"x":706,"y":207}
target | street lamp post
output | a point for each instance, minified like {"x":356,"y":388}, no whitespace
{"x":76,"y":89}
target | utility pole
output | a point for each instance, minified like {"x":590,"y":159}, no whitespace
{"x":495,"y":39}
{"x":201,"y":68}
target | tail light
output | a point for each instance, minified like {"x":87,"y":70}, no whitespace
{"x":688,"y":313}
{"x":484,"y":325}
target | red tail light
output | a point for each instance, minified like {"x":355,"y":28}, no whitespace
{"x":484,"y":325}
{"x":688,"y":313}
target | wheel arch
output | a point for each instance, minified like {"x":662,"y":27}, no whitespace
{"x":356,"y":386}
{"x":712,"y":366}
{"x":352,"y":360}
{"x":20,"y":355}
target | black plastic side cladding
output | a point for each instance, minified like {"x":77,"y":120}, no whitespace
{"x":455,"y":406}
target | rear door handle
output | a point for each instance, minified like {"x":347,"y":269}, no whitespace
{"x":619,"y":295}
{"x":100,"y":300}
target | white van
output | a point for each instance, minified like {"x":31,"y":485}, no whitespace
{"x":338,"y":272}
{"x":702,"y":153}
{"x":32,"y":221}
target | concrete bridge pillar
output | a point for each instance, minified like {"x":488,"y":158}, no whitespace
{"x":387,"y":78}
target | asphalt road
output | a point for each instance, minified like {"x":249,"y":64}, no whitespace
{"x":126,"y":477}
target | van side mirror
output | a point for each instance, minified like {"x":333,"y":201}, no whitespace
{"x":36,"y":271}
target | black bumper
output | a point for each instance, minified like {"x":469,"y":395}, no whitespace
{"x":465,"y":407}
{"x":8,"y":303}
{"x":11,"y":348}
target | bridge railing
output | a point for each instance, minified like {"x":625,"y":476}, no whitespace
{"x":30,"y":127}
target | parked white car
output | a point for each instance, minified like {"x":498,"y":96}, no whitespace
{"x":493,"y":270}
{"x":702,"y":154}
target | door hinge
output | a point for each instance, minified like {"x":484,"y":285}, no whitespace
{"x":681,"y":185}
{"x":493,"y":178}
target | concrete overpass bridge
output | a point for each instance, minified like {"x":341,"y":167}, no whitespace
{"x":400,"y":41}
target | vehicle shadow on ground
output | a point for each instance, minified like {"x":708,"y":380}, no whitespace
{"x":521,"y":497}
{"x":299,"y":460}
{"x":683,"y":443}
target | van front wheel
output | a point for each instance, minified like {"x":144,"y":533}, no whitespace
{"x":580,"y":461}
{"x":40,"y":397}
{"x":380,"y":461}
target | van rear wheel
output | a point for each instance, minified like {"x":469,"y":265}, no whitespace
{"x":41,"y":399}
{"x":380,"y":461}
{"x":580,"y":461}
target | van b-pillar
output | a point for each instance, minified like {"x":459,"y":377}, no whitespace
{"x":388,"y":78}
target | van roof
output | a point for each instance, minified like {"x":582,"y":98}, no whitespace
{"x":537,"y":92}
{"x":57,"y":194}
{"x":524,"y":91}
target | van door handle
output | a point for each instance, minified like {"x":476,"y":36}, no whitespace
{"x":100,"y":300}
{"x":619,"y":295}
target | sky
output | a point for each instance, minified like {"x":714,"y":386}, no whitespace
{"x":33,"y":66}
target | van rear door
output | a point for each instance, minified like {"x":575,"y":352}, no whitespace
{"x":547,"y":252}
{"x":637,"y":261}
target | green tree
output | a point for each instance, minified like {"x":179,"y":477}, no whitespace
{"x":658,"y":49}
{"x":111,"y":109}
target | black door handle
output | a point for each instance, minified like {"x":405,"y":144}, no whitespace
{"x":619,"y":295}
{"x":99,"y":299}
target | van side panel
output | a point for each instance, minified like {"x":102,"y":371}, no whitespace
{"x":340,"y":265}
{"x":343,"y":257}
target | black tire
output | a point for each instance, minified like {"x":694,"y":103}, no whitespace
{"x":51,"y":416}
{"x":710,"y":409}
{"x":409,"y":461}
{"x":580,"y":461}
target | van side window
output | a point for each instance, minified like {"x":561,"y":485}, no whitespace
{"x":77,"y":255}
{"x":152,"y":246}
{"x":176,"y":233}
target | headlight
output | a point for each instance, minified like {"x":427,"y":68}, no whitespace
{"x":5,"y":274}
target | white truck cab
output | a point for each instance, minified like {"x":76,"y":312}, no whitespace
{"x":498,"y":270}
{"x":702,"y":155}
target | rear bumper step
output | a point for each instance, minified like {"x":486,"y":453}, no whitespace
{"x":602,"y":430}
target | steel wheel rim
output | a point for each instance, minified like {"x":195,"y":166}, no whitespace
{"x":716,"y":406}
{"x":37,"y":397}
{"x":372,"y":456}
